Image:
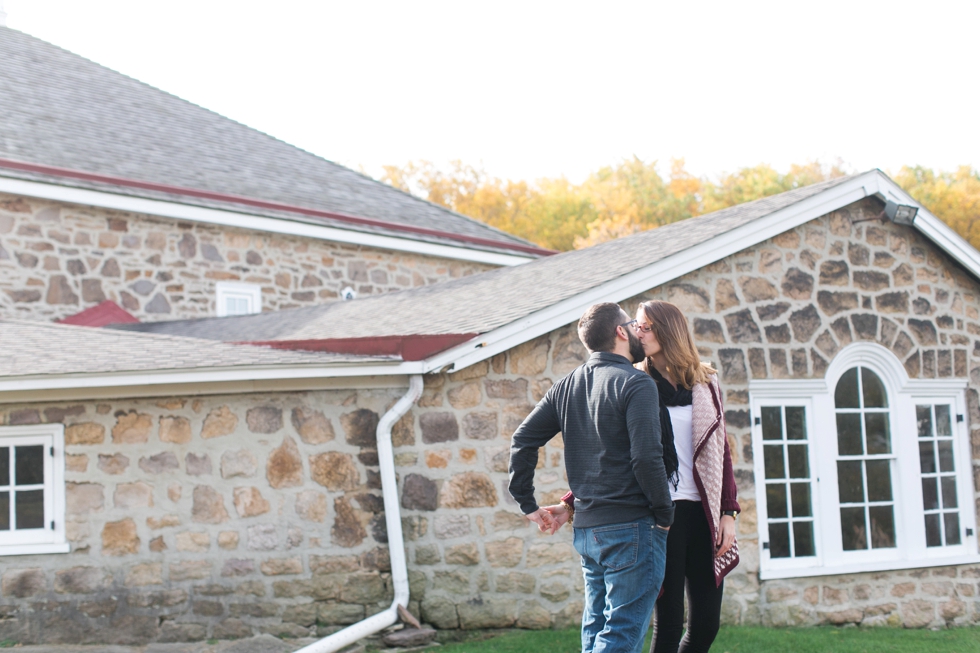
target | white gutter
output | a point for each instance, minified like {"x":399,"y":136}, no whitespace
{"x":396,"y":541}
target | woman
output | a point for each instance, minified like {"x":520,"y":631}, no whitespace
{"x":698,"y":461}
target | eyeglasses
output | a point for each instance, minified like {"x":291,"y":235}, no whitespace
{"x":643,"y":328}
{"x":631,"y":323}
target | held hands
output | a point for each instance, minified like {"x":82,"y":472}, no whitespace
{"x":550,"y":518}
{"x":726,"y":535}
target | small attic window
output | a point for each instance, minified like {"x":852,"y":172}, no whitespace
{"x":237,"y":298}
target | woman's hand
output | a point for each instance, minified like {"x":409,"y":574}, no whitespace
{"x":726,"y":535}
{"x":560,"y":514}
{"x":544,"y":520}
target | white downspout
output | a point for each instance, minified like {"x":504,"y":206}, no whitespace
{"x":393,"y":520}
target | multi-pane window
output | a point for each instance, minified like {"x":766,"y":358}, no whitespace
{"x":938,"y":467}
{"x":237,"y":298}
{"x":864,"y":463}
{"x":32,"y":490}
{"x":786,"y":461}
{"x":22,"y":472}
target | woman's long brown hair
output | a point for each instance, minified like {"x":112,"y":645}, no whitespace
{"x":672,"y":332}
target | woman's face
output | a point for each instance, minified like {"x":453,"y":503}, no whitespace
{"x":651,"y":346}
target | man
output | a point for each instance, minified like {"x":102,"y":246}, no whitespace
{"x":608,"y":415}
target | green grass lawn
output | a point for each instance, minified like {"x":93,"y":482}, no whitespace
{"x":753,"y":640}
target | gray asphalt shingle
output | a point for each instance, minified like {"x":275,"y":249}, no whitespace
{"x":482,"y":302}
{"x":59,"y":109}
{"x":39,"y":348}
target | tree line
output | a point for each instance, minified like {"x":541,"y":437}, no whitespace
{"x":633,"y":196}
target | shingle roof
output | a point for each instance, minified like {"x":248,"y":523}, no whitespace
{"x":59,"y":109}
{"x":482,"y":302}
{"x":38,"y":348}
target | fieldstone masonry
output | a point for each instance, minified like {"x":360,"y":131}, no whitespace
{"x":58,"y":259}
{"x":227,"y":516}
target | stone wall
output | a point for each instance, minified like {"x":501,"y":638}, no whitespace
{"x":225,"y":516}
{"x":783,"y":309}
{"x":58,"y":259}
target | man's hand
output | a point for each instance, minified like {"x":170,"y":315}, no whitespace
{"x":726,"y":535}
{"x":561,"y":515}
{"x":544,"y":520}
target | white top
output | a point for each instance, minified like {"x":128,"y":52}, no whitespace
{"x":680,"y":420}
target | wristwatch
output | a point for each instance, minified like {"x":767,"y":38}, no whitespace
{"x":731,"y":513}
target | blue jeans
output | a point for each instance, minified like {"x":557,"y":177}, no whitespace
{"x":623,"y":565}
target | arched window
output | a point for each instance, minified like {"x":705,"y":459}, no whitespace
{"x":865,"y":461}
{"x":863,"y":470}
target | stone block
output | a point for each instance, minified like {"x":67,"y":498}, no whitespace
{"x":219,"y":421}
{"x":689,"y":298}
{"x":132,"y":428}
{"x":262,"y":537}
{"x":340,"y":614}
{"x":133,"y":495}
{"x":208,"y":506}
{"x":163,"y":462}
{"x":347,"y":530}
{"x":468,"y":490}
{"x":197,"y":465}
{"x":22,"y":583}
{"x":544,"y":553}
{"x":311,"y":505}
{"x":756,"y":289}
{"x":281,"y":566}
{"x":918,"y":613}
{"x":84,"y":433}
{"x":312,"y":425}
{"x":451,"y":526}
{"x":419,"y":493}
{"x":175,"y":429}
{"x":505,"y":553}
{"x":285,"y":467}
{"x":114,"y":464}
{"x":171,"y":631}
{"x":440,"y":612}
{"x":264,"y":419}
{"x":465,"y":396}
{"x":482,"y":613}
{"x":335,"y":471}
{"x":144,"y":574}
{"x":360,"y":427}
{"x":455,"y":582}
{"x":166,"y":521}
{"x":249,"y":502}
{"x":529,"y":358}
{"x":80,"y":580}
{"x":119,"y":538}
{"x":463,"y":554}
{"x":506,"y":389}
{"x":190,"y":570}
{"x":438,"y":427}
{"x":193,"y":541}
{"x":237,"y":567}
{"x":84,"y":498}
{"x":364,"y":588}
{"x":240,"y":462}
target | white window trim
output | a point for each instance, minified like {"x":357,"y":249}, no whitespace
{"x":903,"y":392}
{"x":250,"y":291}
{"x":55,"y":541}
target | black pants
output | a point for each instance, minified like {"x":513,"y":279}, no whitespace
{"x":690,"y":555}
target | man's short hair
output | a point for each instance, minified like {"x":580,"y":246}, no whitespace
{"x":597,"y":328}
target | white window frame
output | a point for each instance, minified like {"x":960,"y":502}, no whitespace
{"x":45,"y":540}
{"x":903,"y":395}
{"x":250,"y":292}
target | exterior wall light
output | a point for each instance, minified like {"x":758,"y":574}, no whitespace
{"x":900,"y":213}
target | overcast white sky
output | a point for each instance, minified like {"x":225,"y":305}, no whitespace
{"x":537,"y":88}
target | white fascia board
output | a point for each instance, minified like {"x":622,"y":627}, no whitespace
{"x":241,"y":220}
{"x":124,"y":381}
{"x":940,"y":233}
{"x":569,"y":310}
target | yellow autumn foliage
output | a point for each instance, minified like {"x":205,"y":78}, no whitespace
{"x":632,"y":196}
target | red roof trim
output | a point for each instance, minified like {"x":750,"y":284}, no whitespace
{"x":409,"y":348}
{"x":108,"y":312}
{"x":278,"y":206}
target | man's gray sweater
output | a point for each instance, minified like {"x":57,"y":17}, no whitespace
{"x":608,"y":415}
